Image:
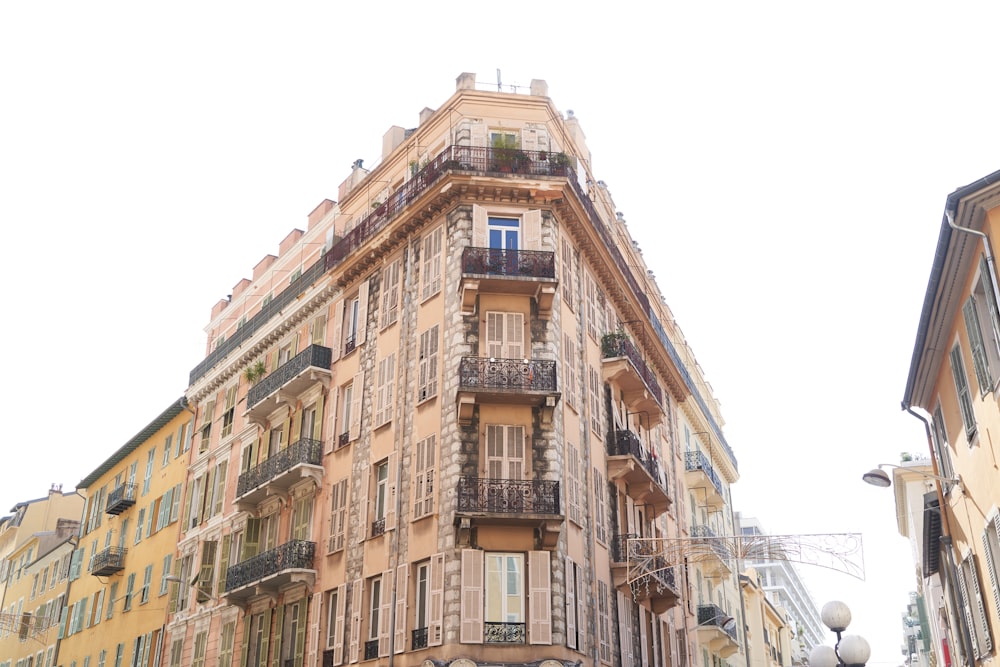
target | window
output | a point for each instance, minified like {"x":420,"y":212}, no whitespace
{"x":147,"y":578}
{"x":176,"y":649}
{"x":427,"y":374}
{"x":200,"y":641}
{"x":962,"y":389}
{"x":166,"y":451}
{"x":149,"y":471}
{"x":257,"y":646}
{"x":576,"y":604}
{"x":381,"y":489}
{"x":226,"y":644}
{"x":421,"y":612}
{"x":374,"y":608}
{"x":505,"y":452}
{"x":338,"y":516}
{"x":384,"y":385}
{"x":423,"y":477}
{"x":603,"y":622}
{"x":347,"y":394}
{"x":570,"y":359}
{"x":595,"y":400}
{"x":335,"y":618}
{"x":317,"y":330}
{"x":590,"y":294}
{"x":430,"y":271}
{"x":207,"y":415}
{"x":112,"y":599}
{"x":219,"y":494}
{"x":504,"y":588}
{"x":600,"y":498}
{"x":229,"y":411}
{"x":504,"y":335}
{"x":164,"y":582}
{"x":390,"y":292}
{"x":302,"y":517}
{"x":573,"y":484}
{"x":353,"y":322}
{"x":983,"y":326}
{"x":129,"y":592}
{"x":293,"y":634}
{"x":974,"y":605}
{"x":139,"y":524}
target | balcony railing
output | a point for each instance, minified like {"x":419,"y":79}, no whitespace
{"x":503,"y":633}
{"x":378,"y":527}
{"x":109,"y":561}
{"x":509,"y":263}
{"x":343,"y":439}
{"x":329,"y":658}
{"x":313,"y":356}
{"x":418,"y":639}
{"x":659,"y":573}
{"x":120,"y":499}
{"x":507,"y":374}
{"x":508,"y":496}
{"x":713,"y":615}
{"x":304,"y":451}
{"x":371,"y":649}
{"x":714,"y":542}
{"x":614,"y":345}
{"x":292,"y":555}
{"x":626,"y":443}
{"x":698,"y":461}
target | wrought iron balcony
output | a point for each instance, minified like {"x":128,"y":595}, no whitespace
{"x":482,"y":495}
{"x":509,"y":381}
{"x":709,"y":549}
{"x":328,"y":658}
{"x":500,"y":271}
{"x":120,"y":499}
{"x":699,"y":474}
{"x":108,"y":562}
{"x":302,"y":371}
{"x":418,"y":639}
{"x":713,"y":616}
{"x":378,"y":527}
{"x":503,"y":633}
{"x":303,"y":458}
{"x":636,"y":565}
{"x":270,"y":570}
{"x":371,"y":649}
{"x":630,"y":462}
{"x":624,"y":365}
{"x":343,"y":439}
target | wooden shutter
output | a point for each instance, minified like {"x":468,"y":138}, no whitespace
{"x":337,"y":343}
{"x":251,"y":539}
{"x":480,"y":220}
{"x":624,"y":636}
{"x":570,"y":578}
{"x":390,"y":507}
{"x":581,"y":614}
{"x":402,"y":575}
{"x":385,"y":609}
{"x":532,"y":225}
{"x":300,"y":632}
{"x":338,"y":639}
{"x":643,"y":637}
{"x":472,"y":597}
{"x":435,"y":624}
{"x":227,"y":542}
{"x":266,"y":625}
{"x":332,"y":434}
{"x":174,"y":589}
{"x":220,"y":492}
{"x":365,"y":526}
{"x":279,"y":617}
{"x":357,"y":591}
{"x":972,"y":327}
{"x":361,"y":336}
{"x":540,"y":597}
{"x":357,"y":391}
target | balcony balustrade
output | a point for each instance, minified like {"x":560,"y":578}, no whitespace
{"x":623,"y":365}
{"x":700,"y":474}
{"x":418,"y":639}
{"x":291,"y":379}
{"x":709,"y":550}
{"x":508,"y":496}
{"x":503,"y":633}
{"x":304,"y":458}
{"x":716,"y":631}
{"x":631,"y":463}
{"x":501,"y":271}
{"x":378,"y":527}
{"x":508,"y":381}
{"x":108,"y":561}
{"x":329,"y":659}
{"x":120,"y":499}
{"x":638,"y":568}
{"x":267,"y":572}
{"x":371,"y":649}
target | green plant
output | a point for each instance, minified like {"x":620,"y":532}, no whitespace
{"x":613,"y":344}
{"x":255,"y":371}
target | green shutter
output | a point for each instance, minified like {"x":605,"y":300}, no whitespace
{"x":300,"y":634}
{"x":227,"y":541}
{"x":278,"y":629}
{"x":979,"y":362}
{"x":247,"y":622}
{"x":251,"y":539}
{"x":267,"y":636}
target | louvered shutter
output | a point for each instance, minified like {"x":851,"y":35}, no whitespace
{"x":300,"y":632}
{"x":365,"y":526}
{"x":570,"y":578}
{"x":361,"y":336}
{"x":337,"y":343}
{"x":279,"y":616}
{"x":643,"y":637}
{"x":339,"y":616}
{"x":227,"y":541}
{"x":540,"y":597}
{"x":581,"y":614}
{"x":266,"y":625}
{"x":357,"y":591}
{"x":402,"y":582}
{"x":986,"y":644}
{"x":357,"y":391}
{"x":624,"y":636}
{"x":979,"y":362}
{"x":480,"y":220}
{"x":472,"y":597}
{"x":251,"y":539}
{"x":985,"y":277}
{"x":332,"y":434}
{"x":532,"y":223}
{"x":390,"y":509}
{"x":247,"y":622}
{"x":385,"y":610}
{"x":435,"y":624}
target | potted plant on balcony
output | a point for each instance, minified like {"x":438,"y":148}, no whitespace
{"x":613,"y":344}
{"x":254,"y":372}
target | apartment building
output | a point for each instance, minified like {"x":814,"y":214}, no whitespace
{"x":442,"y":425}
{"x":951,"y":388}
{"x":121,"y":569}
{"x":768,"y":631}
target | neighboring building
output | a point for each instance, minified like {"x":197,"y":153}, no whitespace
{"x":785,"y":588}
{"x":120,"y":571}
{"x":953,"y":379}
{"x":767,"y":627}
{"x":445,"y":420}
{"x":35,"y":597}
{"x":916,"y":647}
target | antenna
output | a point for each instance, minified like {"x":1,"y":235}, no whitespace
{"x":499,"y":84}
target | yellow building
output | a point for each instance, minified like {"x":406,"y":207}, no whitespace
{"x":768,"y":636}
{"x":952,"y":389}
{"x":443,"y":422}
{"x":36,"y":595}
{"x":121,"y":570}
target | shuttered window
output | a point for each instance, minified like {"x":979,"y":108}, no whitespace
{"x":430,"y":268}
{"x":424,"y":472}
{"x":539,"y":597}
{"x":338,"y":516}
{"x":962,"y":389}
{"x":505,"y":335}
{"x":471,"y":631}
{"x":570,"y":360}
{"x":600,"y":500}
{"x":566,"y":260}
{"x":974,"y":607}
{"x":573,"y":484}
{"x":435,"y":606}
{"x":384,"y":385}
{"x":390,"y":293}
{"x":603,"y":622}
{"x":505,"y":452}
{"x":427,"y":371}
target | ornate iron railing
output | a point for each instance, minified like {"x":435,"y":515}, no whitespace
{"x":717,"y":544}
{"x":507,"y":374}
{"x":378,"y":527}
{"x":343,"y":439}
{"x":626,"y":443}
{"x":108,"y":561}
{"x":614,"y":345}
{"x":510,"y":263}
{"x":314,"y":355}
{"x":503,"y":633}
{"x":659,"y":574}
{"x":712,"y":614}
{"x":698,"y":461}
{"x":371,"y":649}
{"x":305,"y":450}
{"x":120,"y":499}
{"x":418,"y":639}
{"x":328,"y":659}
{"x":508,"y":496}
{"x":292,"y":555}
{"x":350,"y":344}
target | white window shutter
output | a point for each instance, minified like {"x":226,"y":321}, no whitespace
{"x":363,"y":505}
{"x":570,"y":578}
{"x":624,"y":637}
{"x":385,"y":609}
{"x":643,"y":637}
{"x":338,"y":640}
{"x":402,"y":575}
{"x":540,"y":597}
{"x":581,"y":615}
{"x":361,"y":336}
{"x":357,"y":392}
{"x":332,"y":434}
{"x":338,"y":329}
{"x":435,"y":614}
{"x":472,"y":597}
{"x":532,"y":225}
{"x":314,"y":616}
{"x":357,"y":592}
{"x":390,"y":510}
{"x":479,"y":222}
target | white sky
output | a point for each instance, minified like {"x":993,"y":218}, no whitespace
{"x":783,"y":165}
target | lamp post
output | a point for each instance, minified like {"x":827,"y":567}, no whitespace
{"x":850,"y":650}
{"x":878,"y":477}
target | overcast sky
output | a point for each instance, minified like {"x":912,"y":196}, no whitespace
{"x":783,"y":165}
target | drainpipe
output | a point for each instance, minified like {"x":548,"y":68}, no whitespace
{"x":991,"y":267}
{"x":946,"y":544}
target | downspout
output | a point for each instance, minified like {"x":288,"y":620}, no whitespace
{"x":991,"y":267}
{"x":947,"y":547}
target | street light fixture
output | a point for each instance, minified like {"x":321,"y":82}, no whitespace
{"x":850,"y":650}
{"x":880,"y":478}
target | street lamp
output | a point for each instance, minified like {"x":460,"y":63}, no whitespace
{"x":880,"y":478}
{"x":850,"y":650}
